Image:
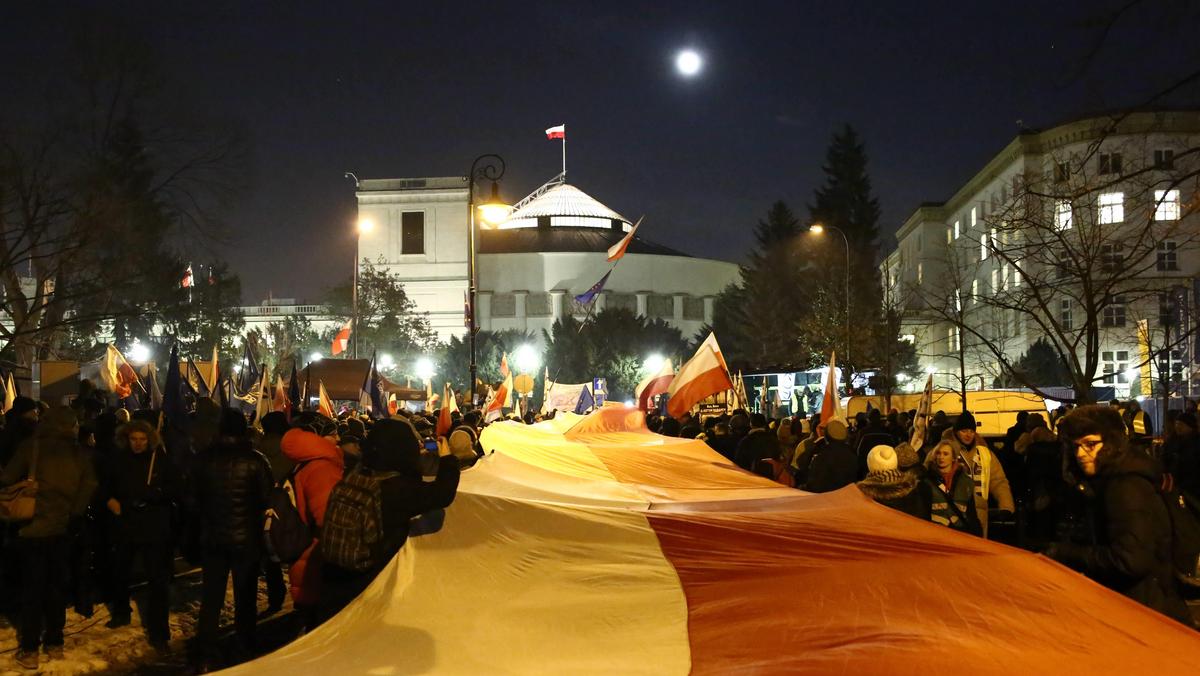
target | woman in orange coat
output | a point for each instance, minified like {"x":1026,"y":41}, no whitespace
{"x":319,"y":466}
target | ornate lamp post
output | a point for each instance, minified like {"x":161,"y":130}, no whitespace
{"x":488,"y":167}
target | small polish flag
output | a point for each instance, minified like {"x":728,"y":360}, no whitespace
{"x":617,"y":250}
{"x":557,"y":132}
{"x":341,"y":341}
{"x":186,"y":282}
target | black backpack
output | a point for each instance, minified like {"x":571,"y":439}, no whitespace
{"x":285,"y":533}
{"x":1184,"y":512}
{"x":352,"y":534}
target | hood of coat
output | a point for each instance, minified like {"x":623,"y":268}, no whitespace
{"x":888,"y":484}
{"x":301,"y":446}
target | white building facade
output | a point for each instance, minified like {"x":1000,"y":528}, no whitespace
{"x":991,"y":268}
{"x":530,"y":268}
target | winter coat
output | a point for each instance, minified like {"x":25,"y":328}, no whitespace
{"x":833,"y":466}
{"x":323,"y":468}
{"x":724,"y":444}
{"x":901,"y":490}
{"x":987,"y":474}
{"x":148,"y":496}
{"x":758,"y":444}
{"x":1130,"y":536}
{"x":953,"y":505}
{"x":403,"y":497}
{"x":65,"y":474}
{"x":281,"y":466}
{"x":231,"y":483}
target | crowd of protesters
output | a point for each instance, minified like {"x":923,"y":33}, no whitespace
{"x":117,"y":493}
{"x":1088,"y":487}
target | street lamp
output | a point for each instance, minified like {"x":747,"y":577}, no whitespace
{"x":364,"y":227}
{"x":653,"y":364}
{"x":386,"y":361}
{"x":315,"y":356}
{"x":526,"y":358}
{"x":488,"y":167}
{"x":424,"y":369}
{"x":817,"y":228}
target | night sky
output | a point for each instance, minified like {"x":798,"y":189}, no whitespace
{"x":401,"y":89}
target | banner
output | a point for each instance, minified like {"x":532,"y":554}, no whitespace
{"x":563,"y":396}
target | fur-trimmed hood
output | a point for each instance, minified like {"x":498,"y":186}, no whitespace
{"x":888,"y":484}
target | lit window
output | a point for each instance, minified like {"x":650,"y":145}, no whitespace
{"x":975,"y":290}
{"x":1114,"y":312}
{"x":920,"y":272}
{"x":957,"y":229}
{"x":1065,"y":316}
{"x":1166,"y":205}
{"x":1112,"y":207}
{"x":949,"y":235}
{"x":1063,"y":217}
{"x":1110,"y":163}
{"x":1167,"y":261}
{"x":983,"y":246}
{"x":957,"y":301}
{"x":1004,"y":277}
{"x":974,"y":216}
{"x":1016,"y":274}
{"x":995,"y":281}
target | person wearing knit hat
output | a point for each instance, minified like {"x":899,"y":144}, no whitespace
{"x":890,"y":486}
{"x":983,"y":466}
{"x":462,"y":445}
{"x":834,"y":464}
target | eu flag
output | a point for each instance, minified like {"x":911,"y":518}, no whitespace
{"x":587,"y":296}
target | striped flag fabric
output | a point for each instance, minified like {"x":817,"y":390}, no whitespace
{"x":664,"y":558}
{"x":921,"y":422}
{"x":557,"y":132}
{"x":616,"y":251}
{"x":324,"y":403}
{"x":831,"y":404}
{"x":654,"y":384}
{"x":341,"y":341}
{"x":703,"y":375}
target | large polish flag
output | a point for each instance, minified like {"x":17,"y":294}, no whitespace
{"x":655,"y":383}
{"x":703,"y":375}
{"x":557,"y":132}
{"x":617,"y":250}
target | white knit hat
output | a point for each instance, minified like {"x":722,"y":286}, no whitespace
{"x":881,"y":459}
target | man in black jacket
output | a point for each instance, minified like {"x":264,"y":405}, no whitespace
{"x":834,"y":464}
{"x":394,"y":447}
{"x":1129,"y":550}
{"x":231,"y":486}
{"x":142,"y":489}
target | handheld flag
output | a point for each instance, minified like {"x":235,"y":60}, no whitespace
{"x":10,"y":393}
{"x":703,"y":375}
{"x":831,"y":404}
{"x":156,"y":395}
{"x":590,"y":294}
{"x":186,"y":282}
{"x":448,"y":406}
{"x":293,"y":392}
{"x":392,"y":405}
{"x":617,"y":250}
{"x":263,"y":405}
{"x":654,"y":384}
{"x":280,"y":402}
{"x":921,"y":423}
{"x":341,"y":341}
{"x":117,"y":374}
{"x":324,"y":403}
{"x":586,"y":401}
{"x":214,"y":376}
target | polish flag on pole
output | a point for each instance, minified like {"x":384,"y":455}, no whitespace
{"x":117,"y":374}
{"x":500,"y":399}
{"x":186,"y":282}
{"x":341,"y":341}
{"x":617,"y":250}
{"x":703,"y":375}
{"x":655,"y":383}
{"x":557,"y":132}
{"x":324,"y":403}
{"x":831,"y":404}
{"x":281,"y":398}
{"x":214,"y":376}
{"x":449,"y":406}
{"x":504,"y":371}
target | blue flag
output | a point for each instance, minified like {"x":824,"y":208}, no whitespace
{"x":587,"y":296}
{"x":174,"y":405}
{"x":586,"y":401}
{"x":371,"y":392}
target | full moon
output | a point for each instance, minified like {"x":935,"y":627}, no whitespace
{"x":688,"y":63}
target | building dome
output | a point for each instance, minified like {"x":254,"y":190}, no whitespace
{"x":564,"y":205}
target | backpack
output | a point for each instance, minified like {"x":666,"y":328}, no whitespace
{"x":284,"y":531}
{"x":1184,"y":513}
{"x":352,"y":535}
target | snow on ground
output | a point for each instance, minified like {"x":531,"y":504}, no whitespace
{"x":91,"y":648}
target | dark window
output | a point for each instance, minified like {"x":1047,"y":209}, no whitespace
{"x":693,"y":308}
{"x":538,"y":305}
{"x":1166,"y":310}
{"x":1110,"y":163}
{"x":1114,"y":312}
{"x":1167,"y":260}
{"x":659,"y":306}
{"x":1164,"y":159}
{"x":1062,"y":172}
{"x":412,"y":232}
{"x":504,"y":305}
{"x":1112,"y":260}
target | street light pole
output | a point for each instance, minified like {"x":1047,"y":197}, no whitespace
{"x":819,"y":228}
{"x":488,"y":167}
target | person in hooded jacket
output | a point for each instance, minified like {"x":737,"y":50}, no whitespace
{"x":393,"y":447}
{"x":833,"y":464}
{"x":982,"y":465}
{"x":231,"y":484}
{"x":66,"y":480}
{"x":1129,"y":547}
{"x":312,"y":446}
{"x":897,"y":484}
{"x":141,"y":490}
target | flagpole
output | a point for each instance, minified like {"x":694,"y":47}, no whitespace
{"x":564,"y":154}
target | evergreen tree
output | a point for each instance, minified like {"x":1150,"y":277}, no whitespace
{"x":845,"y":202}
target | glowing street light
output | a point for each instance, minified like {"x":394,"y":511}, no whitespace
{"x":653,"y":363}
{"x":424,"y":369}
{"x":365,"y":226}
{"x":139,"y":353}
{"x":931,"y":369}
{"x":386,"y":361}
{"x":315,"y":356}
{"x":494,"y":211}
{"x":526,"y":358}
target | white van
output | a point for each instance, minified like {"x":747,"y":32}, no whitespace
{"x":995,"y":410}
